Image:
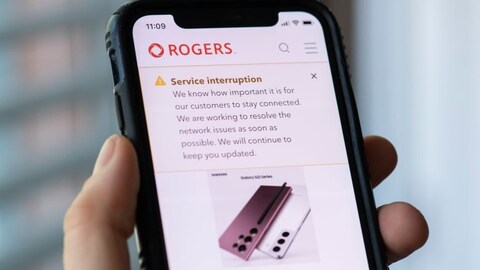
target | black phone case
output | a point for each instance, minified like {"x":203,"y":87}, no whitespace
{"x":132,"y":124}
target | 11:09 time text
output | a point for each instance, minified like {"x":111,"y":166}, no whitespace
{"x":156,"y":26}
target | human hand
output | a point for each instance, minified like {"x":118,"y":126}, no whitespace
{"x":102,"y":217}
{"x":403,"y":227}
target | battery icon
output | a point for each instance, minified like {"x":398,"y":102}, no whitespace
{"x":307,"y":23}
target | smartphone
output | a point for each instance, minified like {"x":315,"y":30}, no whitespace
{"x":206,"y":87}
{"x":247,"y":229}
{"x":286,"y":225}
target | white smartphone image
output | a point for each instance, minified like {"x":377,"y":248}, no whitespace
{"x":286,"y":225}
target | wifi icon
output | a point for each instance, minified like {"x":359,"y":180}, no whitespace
{"x":295,"y":22}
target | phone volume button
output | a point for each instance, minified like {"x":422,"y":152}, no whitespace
{"x":113,"y":62}
{"x":119,"y":109}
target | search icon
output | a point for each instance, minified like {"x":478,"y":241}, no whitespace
{"x":283,"y":47}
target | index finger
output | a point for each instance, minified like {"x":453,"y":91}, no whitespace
{"x":381,"y":158}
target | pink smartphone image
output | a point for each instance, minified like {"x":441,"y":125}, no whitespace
{"x":247,"y":229}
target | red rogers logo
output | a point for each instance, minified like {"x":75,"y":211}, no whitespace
{"x":156,"y":50}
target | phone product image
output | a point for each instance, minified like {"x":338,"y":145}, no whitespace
{"x":224,"y":101}
{"x":247,"y":229}
{"x":286,"y":225}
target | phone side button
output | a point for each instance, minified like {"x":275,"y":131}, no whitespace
{"x":119,"y":109}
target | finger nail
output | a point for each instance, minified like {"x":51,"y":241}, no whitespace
{"x":106,"y":154}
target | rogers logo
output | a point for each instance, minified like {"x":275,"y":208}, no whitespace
{"x":156,"y":50}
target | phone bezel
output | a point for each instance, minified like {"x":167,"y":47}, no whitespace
{"x":120,"y":42}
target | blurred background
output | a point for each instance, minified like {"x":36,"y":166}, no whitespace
{"x":416,"y":74}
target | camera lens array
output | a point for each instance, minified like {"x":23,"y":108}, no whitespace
{"x":280,"y":242}
{"x":244,"y":240}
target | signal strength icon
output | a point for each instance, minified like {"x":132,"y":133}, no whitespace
{"x":295,"y":22}
{"x":287,"y":23}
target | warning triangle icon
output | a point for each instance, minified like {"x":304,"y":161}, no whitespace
{"x":160,"y":81}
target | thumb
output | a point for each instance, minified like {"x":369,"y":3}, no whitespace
{"x":102,"y":217}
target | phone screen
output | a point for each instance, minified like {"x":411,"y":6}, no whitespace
{"x":250,"y":162}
